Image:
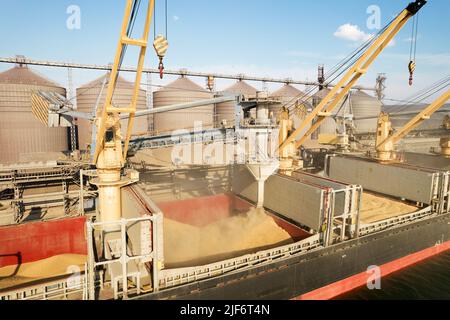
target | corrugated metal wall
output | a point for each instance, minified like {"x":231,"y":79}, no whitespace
{"x":364,"y":105}
{"x":87,"y":96}
{"x":21,"y":135}
{"x":225,"y":112}
{"x":180,"y":91}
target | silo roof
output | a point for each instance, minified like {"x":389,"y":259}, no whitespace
{"x":97,"y":83}
{"x":286,"y":91}
{"x":241,"y":87}
{"x":183,"y":84}
{"x":362,"y":94}
{"x":358,"y":94}
{"x":322,"y":93}
{"x":24,"y":75}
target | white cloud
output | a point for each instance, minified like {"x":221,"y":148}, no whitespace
{"x":353,"y":33}
{"x":176,"y":18}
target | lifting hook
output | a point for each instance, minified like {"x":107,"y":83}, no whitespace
{"x":161,"y":68}
{"x":161,"y":45}
{"x":411,"y":68}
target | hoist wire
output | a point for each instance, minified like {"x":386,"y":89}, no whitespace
{"x":129,"y":32}
{"x":414,"y":36}
{"x":167,"y":24}
{"x":166,"y":18}
{"x":340,"y":68}
{"x":423,"y":94}
{"x":154,"y":21}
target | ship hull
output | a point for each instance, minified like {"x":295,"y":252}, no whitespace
{"x":324,"y":273}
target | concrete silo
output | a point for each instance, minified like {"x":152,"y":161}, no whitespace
{"x":364,"y":105}
{"x":329,"y":125}
{"x":182,"y":91}
{"x":87,"y":96}
{"x":225,"y":112}
{"x":285,"y":95}
{"x":22,"y":136}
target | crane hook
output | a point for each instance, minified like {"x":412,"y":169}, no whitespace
{"x":161,"y":68}
{"x":411,"y":68}
{"x":161,"y":45}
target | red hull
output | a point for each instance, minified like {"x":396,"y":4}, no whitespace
{"x":338,"y":288}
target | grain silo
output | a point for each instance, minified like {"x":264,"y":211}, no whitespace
{"x":364,"y":105}
{"x":329,"y":125}
{"x":225,"y":112}
{"x":182,"y":91}
{"x":21,"y":134}
{"x":87,"y":96}
{"x":285,"y":95}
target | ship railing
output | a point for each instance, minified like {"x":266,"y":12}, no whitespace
{"x":443,"y":203}
{"x":71,"y":287}
{"x":28,"y":175}
{"x":123,"y":265}
{"x":366,"y":229}
{"x":174,"y":277}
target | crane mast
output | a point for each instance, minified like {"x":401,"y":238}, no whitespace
{"x":331,"y":101}
{"x":386,"y":140}
{"x":110,"y":156}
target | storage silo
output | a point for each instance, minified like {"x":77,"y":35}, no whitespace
{"x":285,"y":95}
{"x":329,"y":125}
{"x":364,"y":105}
{"x":21,"y":134}
{"x":182,"y":91}
{"x":225,"y":112}
{"x":87,"y":96}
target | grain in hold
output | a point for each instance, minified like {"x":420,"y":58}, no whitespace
{"x":186,"y":245}
{"x":376,"y":208}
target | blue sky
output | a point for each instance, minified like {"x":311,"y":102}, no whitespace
{"x":279,"y":38}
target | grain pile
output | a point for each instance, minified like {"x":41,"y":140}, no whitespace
{"x":56,"y":266}
{"x":186,"y":245}
{"x":376,"y":208}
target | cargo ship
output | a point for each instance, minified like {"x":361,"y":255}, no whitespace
{"x":257,"y":203}
{"x":301,"y":260}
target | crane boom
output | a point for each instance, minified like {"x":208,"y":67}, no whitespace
{"x":109,"y":156}
{"x":386,"y":141}
{"x":108,"y":115}
{"x":329,"y":103}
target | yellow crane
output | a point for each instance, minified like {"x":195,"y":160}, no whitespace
{"x":324,"y":109}
{"x":386,"y":139}
{"x":110,"y":156}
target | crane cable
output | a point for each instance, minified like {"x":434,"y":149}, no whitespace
{"x":133,"y":16}
{"x":413,"y":49}
{"x":165,"y":18}
{"x":424,"y":94}
{"x":135,"y":9}
{"x":417,"y":98}
{"x":160,"y":42}
{"x":339,"y":69}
